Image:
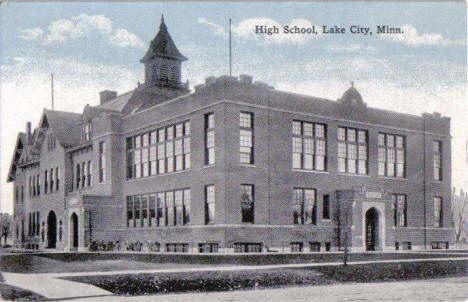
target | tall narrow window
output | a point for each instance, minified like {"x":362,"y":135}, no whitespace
{"x":22,"y":193}
{"x":170,"y":149}
{"x":162,"y":213}
{"x":304,"y":211}
{"x":161,"y":151}
{"x":46,"y":182}
{"x":102,"y":162}
{"x":130,"y":219}
{"x":16,"y":194}
{"x":352,"y":151}
{"x":153,"y":170}
{"x":399,"y":208}
{"x":170,"y":208}
{"x":437,"y":160}
{"x":152,"y":210}
{"x":51,"y":180}
{"x":178,"y":207}
{"x":187,"y":202}
{"x":247,"y":203}
{"x":209,"y":139}
{"x":137,"y":209}
{"x":438,"y":212}
{"x":89,"y":178}
{"x":309,"y":146}
{"x":87,"y":131}
{"x":209,"y":204}
{"x":144,"y":210}
{"x":78,"y":176}
{"x":246,"y":138}
{"x":178,"y":147}
{"x":326,"y":206}
{"x":38,"y":184}
{"x":83,"y":174}
{"x":145,"y":155}
{"x":187,"y":159}
{"x":57,"y":179}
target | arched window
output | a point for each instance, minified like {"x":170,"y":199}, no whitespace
{"x":174,"y":75}
{"x":164,"y":73}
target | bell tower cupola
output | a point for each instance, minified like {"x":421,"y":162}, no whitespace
{"x":163,"y":61}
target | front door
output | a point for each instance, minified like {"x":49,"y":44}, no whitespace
{"x":371,"y":229}
{"x":74,"y":227}
{"x":51,"y":230}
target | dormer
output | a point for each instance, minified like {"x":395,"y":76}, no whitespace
{"x":163,"y":61}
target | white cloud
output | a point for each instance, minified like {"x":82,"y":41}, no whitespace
{"x":411,"y":36}
{"x":246,"y":30}
{"x":31,"y":34}
{"x":81,"y":27}
{"x":124,"y":38}
{"x":217,"y":29}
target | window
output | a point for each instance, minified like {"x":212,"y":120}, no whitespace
{"x":246,"y":140}
{"x":177,"y":247}
{"x":159,"y":209}
{"x":186,"y":209}
{"x":314,"y":246}
{"x":352,"y":151}
{"x":296,"y":247}
{"x":16,"y":194}
{"x":102,"y":162}
{"x":57,"y":179}
{"x":51,"y":180}
{"x":326,"y":206}
{"x":392,"y":159}
{"x":437,"y":245}
{"x":209,"y":204}
{"x":438,"y":212}
{"x":399,"y":210}
{"x":241,"y":247}
{"x":83,"y":174}
{"x":309,"y":146}
{"x":38,"y":184}
{"x":60,"y":230}
{"x":208,"y":247}
{"x":174,"y":75}
{"x":159,"y":151}
{"x":89,"y":177}
{"x":46,"y":182}
{"x":437,"y":160}
{"x":247,"y":203}
{"x":87,"y":131}
{"x":78,"y":176}
{"x":209,"y":139}
{"x":22,"y":193}
{"x":304,"y":211}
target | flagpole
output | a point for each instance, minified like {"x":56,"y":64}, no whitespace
{"x":230,"y":51}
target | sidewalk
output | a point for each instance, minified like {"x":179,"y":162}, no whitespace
{"x":47,"y":284}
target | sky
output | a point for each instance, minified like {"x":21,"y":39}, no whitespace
{"x":95,"y":46}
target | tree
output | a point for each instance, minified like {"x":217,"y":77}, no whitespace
{"x":460,"y":215}
{"x":5,"y":226}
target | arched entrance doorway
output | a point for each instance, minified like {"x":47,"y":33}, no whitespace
{"x":74,"y":230}
{"x":51,"y":230}
{"x":372,"y":229}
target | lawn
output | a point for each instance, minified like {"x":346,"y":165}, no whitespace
{"x":144,"y":284}
{"x":37,"y":264}
{"x":12,"y":293}
{"x":86,"y":262}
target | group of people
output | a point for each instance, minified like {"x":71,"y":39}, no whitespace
{"x":134,"y":246}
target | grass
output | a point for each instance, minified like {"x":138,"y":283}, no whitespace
{"x":143,"y":284}
{"x":36,"y":264}
{"x":13,"y":293}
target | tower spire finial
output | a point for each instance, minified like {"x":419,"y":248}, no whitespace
{"x":162,"y":18}
{"x":352,"y":83}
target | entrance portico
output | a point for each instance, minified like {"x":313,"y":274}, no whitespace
{"x":365,"y":218}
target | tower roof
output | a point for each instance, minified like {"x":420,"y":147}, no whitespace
{"x":163,"y":45}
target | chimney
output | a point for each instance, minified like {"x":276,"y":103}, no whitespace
{"x":107,"y":95}
{"x":28,"y":133}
